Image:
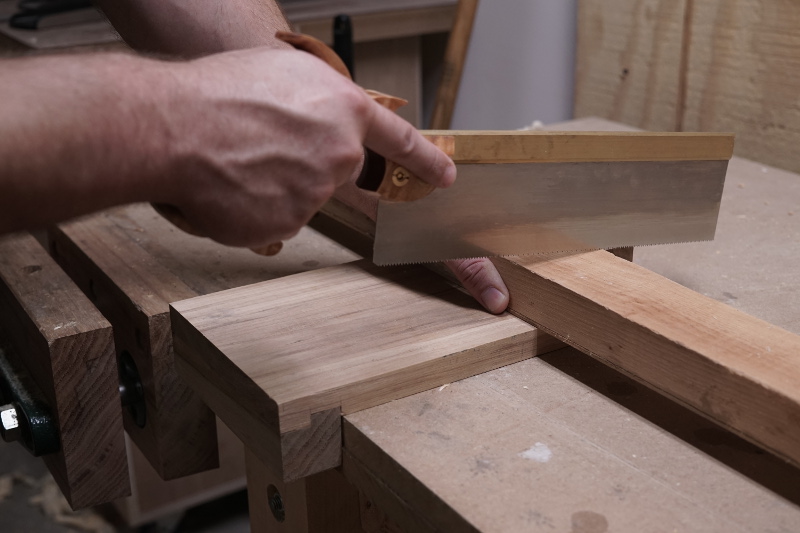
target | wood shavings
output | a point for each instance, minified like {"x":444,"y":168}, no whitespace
{"x":7,"y":483}
{"x":55,"y":507}
{"x":443,"y":387}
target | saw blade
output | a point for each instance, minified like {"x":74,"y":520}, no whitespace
{"x":528,"y":208}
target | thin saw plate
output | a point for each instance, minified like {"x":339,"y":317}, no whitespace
{"x":526,"y":208}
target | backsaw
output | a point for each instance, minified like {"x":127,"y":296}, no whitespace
{"x":527,"y":192}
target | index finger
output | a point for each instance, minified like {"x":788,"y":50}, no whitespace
{"x":397,"y":140}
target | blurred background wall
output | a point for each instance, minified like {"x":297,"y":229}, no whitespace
{"x":520,"y":65}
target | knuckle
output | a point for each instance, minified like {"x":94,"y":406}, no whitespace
{"x":319,"y":195}
{"x":470,"y":272}
{"x":408,"y":143}
{"x":354,"y":98}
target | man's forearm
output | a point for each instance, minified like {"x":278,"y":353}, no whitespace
{"x":78,"y":135}
{"x":192,"y":28}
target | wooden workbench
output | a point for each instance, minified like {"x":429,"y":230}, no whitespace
{"x":398,"y":45}
{"x":564,"y":443}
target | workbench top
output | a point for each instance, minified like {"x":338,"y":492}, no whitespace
{"x":564,"y":443}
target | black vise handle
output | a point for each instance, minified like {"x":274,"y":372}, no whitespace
{"x":343,"y":41}
{"x":24,"y":413}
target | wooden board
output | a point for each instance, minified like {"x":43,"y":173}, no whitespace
{"x":738,"y":370}
{"x":744,"y":76}
{"x":629,"y":63}
{"x":67,"y":347}
{"x":133,"y":263}
{"x":279,"y":361}
{"x":750,"y":265}
{"x":695,"y":66}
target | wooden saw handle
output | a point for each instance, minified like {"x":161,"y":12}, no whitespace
{"x":395,"y":183}
{"x":392,"y":182}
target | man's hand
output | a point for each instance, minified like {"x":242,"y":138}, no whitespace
{"x":246,"y":144}
{"x":255,"y":159}
{"x":482,"y":281}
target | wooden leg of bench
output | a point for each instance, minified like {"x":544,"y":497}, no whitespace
{"x":324,"y":502}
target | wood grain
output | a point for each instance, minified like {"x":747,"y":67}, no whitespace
{"x":629,"y":63}
{"x":695,"y":66}
{"x":585,"y":146}
{"x":269,"y":356}
{"x":179,"y":435}
{"x":133,"y":264}
{"x":68,"y":348}
{"x":744,"y":76}
{"x":738,"y":370}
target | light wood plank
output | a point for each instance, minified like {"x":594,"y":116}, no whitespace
{"x":695,"y":66}
{"x":752,"y":262}
{"x":270,"y":357}
{"x":744,"y":76}
{"x":738,"y":370}
{"x":629,"y":65}
{"x":67,"y":347}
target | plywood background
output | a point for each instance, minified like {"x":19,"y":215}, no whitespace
{"x":695,"y":65}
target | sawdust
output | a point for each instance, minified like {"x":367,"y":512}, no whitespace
{"x":55,"y":507}
{"x":7,"y":482}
